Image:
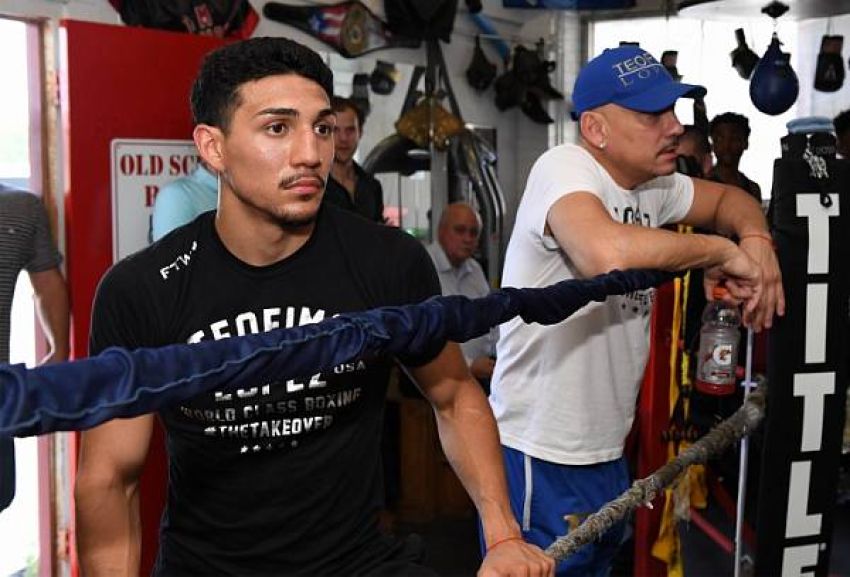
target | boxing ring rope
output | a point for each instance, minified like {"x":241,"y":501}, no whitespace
{"x":119,"y":383}
{"x":643,"y":491}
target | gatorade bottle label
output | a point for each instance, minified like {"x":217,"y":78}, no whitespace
{"x":722,"y":355}
{"x":716,"y":372}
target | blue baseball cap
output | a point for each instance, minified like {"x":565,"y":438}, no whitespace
{"x":630,"y":77}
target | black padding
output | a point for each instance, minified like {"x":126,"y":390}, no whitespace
{"x":7,"y":471}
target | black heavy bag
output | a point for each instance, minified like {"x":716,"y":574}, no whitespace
{"x":774,"y":86}
{"x":829,"y":74}
{"x":807,"y":364}
{"x":744,"y":60}
{"x":480,"y":72}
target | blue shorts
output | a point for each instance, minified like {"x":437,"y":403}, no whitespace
{"x":543,"y":493}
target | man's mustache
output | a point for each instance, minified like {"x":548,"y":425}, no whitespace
{"x":290,"y":180}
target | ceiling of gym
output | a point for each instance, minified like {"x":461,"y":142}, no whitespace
{"x":797,"y":9}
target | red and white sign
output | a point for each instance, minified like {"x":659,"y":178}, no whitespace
{"x":140,"y":168}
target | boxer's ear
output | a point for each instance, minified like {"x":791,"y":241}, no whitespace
{"x":209,"y":142}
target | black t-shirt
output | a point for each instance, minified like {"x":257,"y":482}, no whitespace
{"x":368,"y":198}
{"x":742,"y":182}
{"x":281,"y":477}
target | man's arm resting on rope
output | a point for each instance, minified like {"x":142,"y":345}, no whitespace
{"x":107,"y":496}
{"x":471,"y":442}
{"x":730,"y":210}
{"x":596,"y":243}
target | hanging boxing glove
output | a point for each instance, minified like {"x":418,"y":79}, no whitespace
{"x":509,"y":91}
{"x":774,"y":86}
{"x":543,"y":88}
{"x":360,"y":92}
{"x":480,"y":72}
{"x":668,"y":61}
{"x":829,"y":74}
{"x":744,"y":60}
{"x":533,"y":108}
{"x":383,"y":78}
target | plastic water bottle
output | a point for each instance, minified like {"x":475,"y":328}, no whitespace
{"x":718,"y":346}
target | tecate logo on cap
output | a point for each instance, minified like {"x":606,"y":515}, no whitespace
{"x":641,"y":66}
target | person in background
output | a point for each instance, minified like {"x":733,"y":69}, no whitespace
{"x":26,"y":244}
{"x":460,"y":274}
{"x":279,"y":477}
{"x":349,"y":186}
{"x":696,"y":150}
{"x":842,"y":133}
{"x":183,"y":199}
{"x":730,"y":137}
{"x":565,"y":395}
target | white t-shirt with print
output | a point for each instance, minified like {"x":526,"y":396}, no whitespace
{"x":566,"y":393}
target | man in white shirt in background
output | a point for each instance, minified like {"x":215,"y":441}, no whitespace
{"x":460,"y":274}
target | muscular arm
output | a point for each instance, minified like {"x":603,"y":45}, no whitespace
{"x":51,"y":301}
{"x":596,"y":243}
{"x":107,"y":497}
{"x":471,"y":442}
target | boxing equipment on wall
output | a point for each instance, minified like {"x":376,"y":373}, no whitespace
{"x":829,"y":74}
{"x":350,"y":28}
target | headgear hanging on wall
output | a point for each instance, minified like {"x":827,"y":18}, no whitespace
{"x":480,"y":72}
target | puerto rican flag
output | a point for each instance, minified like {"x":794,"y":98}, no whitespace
{"x":327,"y":21}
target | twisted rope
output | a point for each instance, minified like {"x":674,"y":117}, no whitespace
{"x":642,"y":491}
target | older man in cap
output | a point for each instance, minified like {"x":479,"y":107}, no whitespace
{"x":564,"y":395}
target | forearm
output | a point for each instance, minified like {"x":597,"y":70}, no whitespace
{"x":631,"y":246}
{"x":739,"y":213}
{"x":51,"y":300}
{"x":470,"y":440}
{"x":108,"y":529}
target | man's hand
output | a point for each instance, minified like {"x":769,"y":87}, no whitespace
{"x":760,"y":250}
{"x":740,"y":274}
{"x":516,"y":558}
{"x":752,"y":276}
